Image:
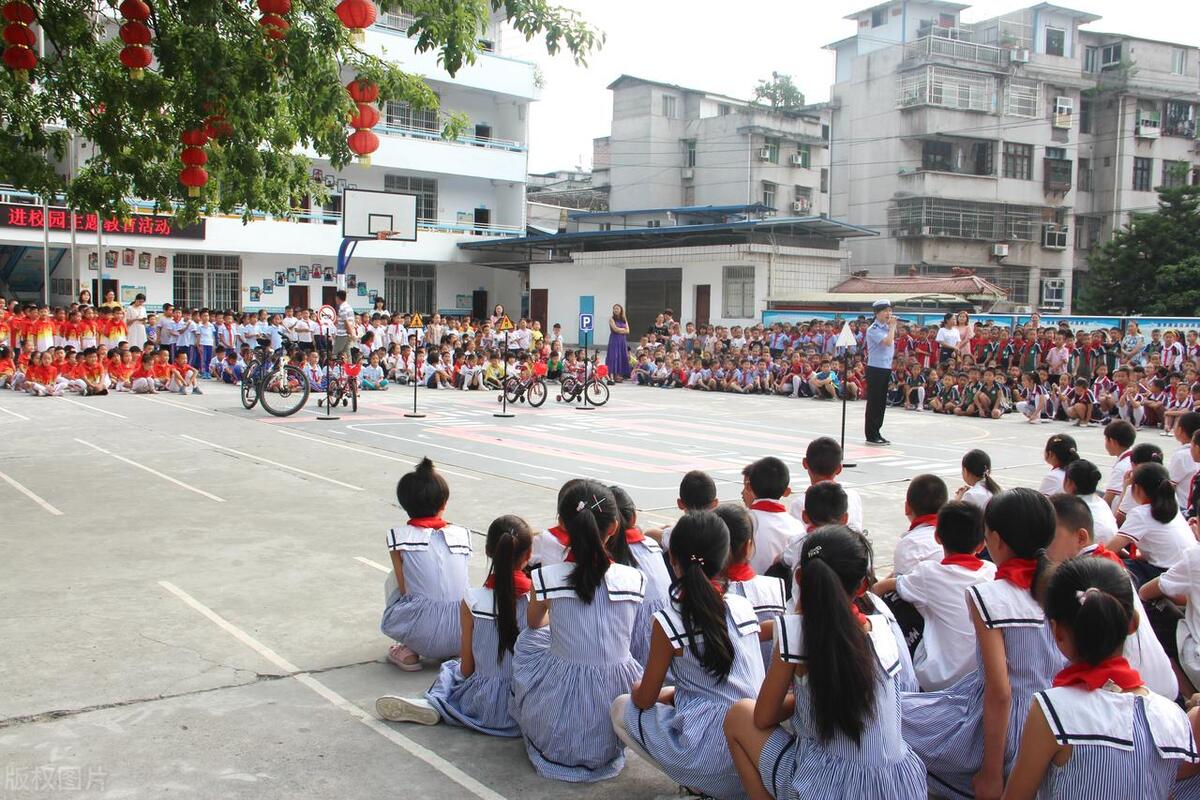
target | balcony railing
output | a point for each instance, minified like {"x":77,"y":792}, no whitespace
{"x":955,"y":50}
{"x":1180,"y":127}
{"x":423,"y":133}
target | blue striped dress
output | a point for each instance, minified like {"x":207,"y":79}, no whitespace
{"x":565,"y":677}
{"x":767,"y":596}
{"x":435,"y":576}
{"x":945,"y":728}
{"x":649,"y":557}
{"x":479,"y":701}
{"x":687,"y":738}
{"x":1124,"y":746}
{"x":880,"y":767}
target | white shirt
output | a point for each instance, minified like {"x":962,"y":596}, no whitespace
{"x":345,"y":319}
{"x":947,"y":651}
{"x":854,"y":508}
{"x":915,"y":546}
{"x":304,"y":330}
{"x":185,"y":333}
{"x":205,"y":332}
{"x":1181,"y":468}
{"x":1053,"y":482}
{"x":1183,"y":580}
{"x":773,"y":531}
{"x":948,"y":337}
{"x":978,"y":495}
{"x":1116,"y":476}
{"x":1160,"y":543}
{"x":1104,"y":523}
{"x":547,"y":549}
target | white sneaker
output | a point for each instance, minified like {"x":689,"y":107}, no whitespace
{"x":406,"y":709}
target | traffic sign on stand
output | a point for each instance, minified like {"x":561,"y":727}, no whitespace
{"x":585,"y":323}
{"x":327,"y":316}
{"x":416,"y":321}
{"x":505,"y":324}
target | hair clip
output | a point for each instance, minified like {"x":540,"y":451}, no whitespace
{"x":582,"y":505}
{"x":1081,"y":596}
{"x":695,"y":559}
{"x":597,"y":503}
{"x":813,"y":553}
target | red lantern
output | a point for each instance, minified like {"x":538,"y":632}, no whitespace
{"x":274,"y":26}
{"x":193,"y":178}
{"x":134,"y":32}
{"x":367,"y":116}
{"x":357,"y":15}
{"x":21,"y":60}
{"x":18,"y":35}
{"x":217,"y":127}
{"x":362,"y":144}
{"x":136,"y":58}
{"x":135,"y":10}
{"x":193,"y":157}
{"x":19,"y":11}
{"x":194,"y":138}
{"x":362,"y":90}
{"x":279,"y":7}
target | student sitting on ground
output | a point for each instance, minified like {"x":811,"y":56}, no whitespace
{"x":767,"y":594}
{"x":979,"y":488}
{"x":697,"y":492}
{"x":631,"y":547}
{"x":1081,"y":479}
{"x":1155,"y":525}
{"x":764,"y":485}
{"x":1119,"y":437}
{"x":823,"y":462}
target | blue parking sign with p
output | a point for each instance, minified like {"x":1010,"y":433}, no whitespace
{"x":585,"y":323}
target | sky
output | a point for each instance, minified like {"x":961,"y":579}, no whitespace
{"x":728,"y":47}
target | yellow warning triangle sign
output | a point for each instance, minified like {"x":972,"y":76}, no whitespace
{"x":505,"y":324}
{"x":416,"y":321}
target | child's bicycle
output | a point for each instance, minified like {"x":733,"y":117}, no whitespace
{"x":529,"y":386}
{"x":341,"y":382}
{"x":573,"y":388}
{"x":281,"y":387}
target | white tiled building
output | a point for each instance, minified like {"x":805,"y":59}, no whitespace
{"x":1011,"y":146}
{"x":466,"y":189}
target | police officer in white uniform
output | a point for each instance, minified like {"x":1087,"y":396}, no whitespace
{"x":881,"y":349}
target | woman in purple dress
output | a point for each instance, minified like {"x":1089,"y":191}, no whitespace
{"x":617,"y":358}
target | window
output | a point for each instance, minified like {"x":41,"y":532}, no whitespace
{"x":805,"y":153}
{"x":405,"y":117}
{"x":689,"y":195}
{"x":1018,"y":161}
{"x":878,"y":17}
{"x":1141,"y":174}
{"x":724,"y":109}
{"x":804,"y":195}
{"x":1085,"y":115}
{"x":1178,"y":61}
{"x":1091,"y":59}
{"x":946,"y":20}
{"x":824,"y":180}
{"x":605,"y":226}
{"x":1021,"y":98}
{"x":959,"y":157}
{"x":207,"y":281}
{"x":411,"y":287}
{"x":1174,"y":174}
{"x":1085,"y":175}
{"x":1110,"y":56}
{"x":737,"y":292}
{"x":654,"y":223}
{"x":1056,"y":152}
{"x":1056,"y":42}
{"x":936,"y":155}
{"x":425,"y":189}
{"x":768,"y":194}
{"x":668,"y":106}
{"x":772,"y":148}
{"x":689,"y":152}
{"x":1179,"y":119}
{"x":1053,"y":289}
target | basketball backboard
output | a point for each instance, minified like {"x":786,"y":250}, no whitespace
{"x":366,"y":214}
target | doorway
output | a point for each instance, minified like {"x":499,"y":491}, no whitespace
{"x":703,"y":301}
{"x":298,"y":297}
{"x":329,"y":296}
{"x":483,"y":133}
{"x":538,"y":307}
{"x":649,"y":292}
{"x":483,"y":218}
{"x":479,"y":304}
{"x":110,"y":285}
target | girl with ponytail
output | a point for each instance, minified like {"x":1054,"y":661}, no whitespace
{"x":1060,"y":451}
{"x":1155,"y":525}
{"x":967,"y":734}
{"x":709,"y":642}
{"x":843,"y":668}
{"x":565,"y":676}
{"x":634,"y":549}
{"x":979,"y":488}
{"x":1099,"y":732}
{"x":473,"y":690}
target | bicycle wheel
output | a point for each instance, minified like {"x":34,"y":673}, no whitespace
{"x":512,"y":389}
{"x":569,"y":389}
{"x":249,"y":390}
{"x":597,"y":392}
{"x":285,"y":391}
{"x":536,"y":393}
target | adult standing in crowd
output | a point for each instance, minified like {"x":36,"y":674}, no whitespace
{"x":1133,"y":345}
{"x":135,"y":320}
{"x":948,"y":339}
{"x":344,"y":334}
{"x":881,"y":349}
{"x":85,"y":297}
{"x":380,"y":307}
{"x":111,"y":301}
{"x":497,"y":315}
{"x":617,"y":358}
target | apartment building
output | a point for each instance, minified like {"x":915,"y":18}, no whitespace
{"x":466,"y":189}
{"x":1011,"y":146}
{"x":672,"y":146}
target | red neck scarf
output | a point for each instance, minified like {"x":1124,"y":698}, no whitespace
{"x":774,"y":506}
{"x":859,"y":616}
{"x":1124,"y":455}
{"x":633,"y":535}
{"x":1092,"y":677}
{"x":1103,"y":552}
{"x":924,"y":519}
{"x":1017,"y":571}
{"x":968,"y":560}
{"x":437,"y":523}
{"x":521,"y":583}
{"x":740,"y":572}
{"x":560,"y":533}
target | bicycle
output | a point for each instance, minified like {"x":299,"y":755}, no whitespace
{"x":282,"y":388}
{"x":572,"y":388}
{"x":530,"y":388}
{"x":341,"y":387}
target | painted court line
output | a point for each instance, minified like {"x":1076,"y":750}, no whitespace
{"x":143,"y":467}
{"x":309,"y":682}
{"x":180,"y":406}
{"x":372,"y":564}
{"x":274,"y":463}
{"x":13,"y":483}
{"x":15,"y":414}
{"x":341,"y":446}
{"x":92,"y":408}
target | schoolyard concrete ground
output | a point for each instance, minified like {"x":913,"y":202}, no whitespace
{"x":191,"y":592}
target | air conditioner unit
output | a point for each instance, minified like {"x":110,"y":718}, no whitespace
{"x":688,"y":173}
{"x":1000,"y":250}
{"x":801,"y":206}
{"x":764,"y":154}
{"x":1018,"y":56}
{"x":1052,"y":293}
{"x":1147,"y":128}
{"x":1054,"y":237}
{"x":797,"y":160}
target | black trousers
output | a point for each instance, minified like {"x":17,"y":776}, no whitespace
{"x":877,"y":386}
